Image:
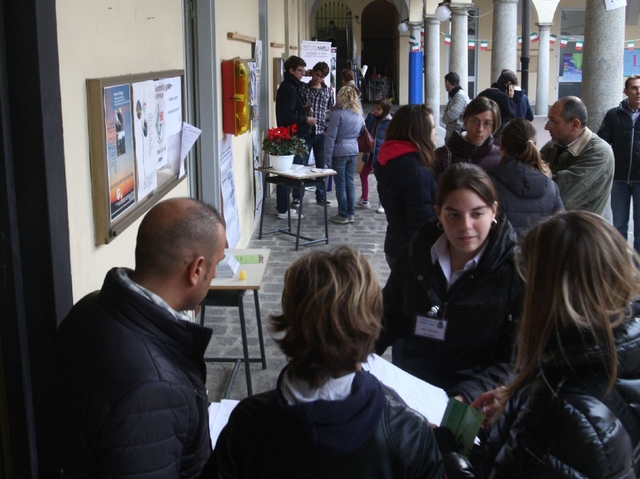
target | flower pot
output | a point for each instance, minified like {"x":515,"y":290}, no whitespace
{"x":281,"y":163}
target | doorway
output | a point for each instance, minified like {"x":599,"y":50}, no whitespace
{"x":380,"y":48}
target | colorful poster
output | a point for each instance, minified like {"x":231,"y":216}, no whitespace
{"x":146,"y":149}
{"x":120,"y":154}
{"x":631,"y":62}
{"x":168,"y":122}
{"x":572,"y":67}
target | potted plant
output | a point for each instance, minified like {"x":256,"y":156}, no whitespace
{"x":282,"y":144}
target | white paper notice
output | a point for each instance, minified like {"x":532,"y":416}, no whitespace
{"x":613,"y":4}
{"x":168,"y":121}
{"x":419,"y":395}
{"x":189,"y":136}
{"x":228,"y":187}
{"x":219,"y":417}
{"x":146,"y":154}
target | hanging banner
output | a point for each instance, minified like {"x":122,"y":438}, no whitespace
{"x":314,"y":52}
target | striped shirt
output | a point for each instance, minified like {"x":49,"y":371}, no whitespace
{"x":320,"y":100}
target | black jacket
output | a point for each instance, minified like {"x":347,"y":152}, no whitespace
{"x":368,"y":434}
{"x":460,"y":150}
{"x":619,"y":130}
{"x":559,"y":426}
{"x":132,"y":389}
{"x":526,"y":196}
{"x":407,"y":191}
{"x":481,"y":309}
{"x":290,"y":106}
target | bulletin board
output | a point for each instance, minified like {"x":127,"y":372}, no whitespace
{"x":135,"y":134}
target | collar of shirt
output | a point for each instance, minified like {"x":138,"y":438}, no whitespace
{"x":577,"y":145}
{"x":123,"y":274}
{"x":296,"y":391}
{"x":440,"y":253}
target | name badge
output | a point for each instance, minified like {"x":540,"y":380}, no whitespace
{"x":431,"y":328}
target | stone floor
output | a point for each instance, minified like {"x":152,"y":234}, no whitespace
{"x":367,"y":233}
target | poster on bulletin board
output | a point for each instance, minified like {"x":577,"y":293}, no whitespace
{"x":138,"y":146}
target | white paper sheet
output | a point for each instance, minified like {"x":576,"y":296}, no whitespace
{"x":146,"y":153}
{"x":419,"y":395}
{"x":189,"y":136}
{"x":218,"y":417}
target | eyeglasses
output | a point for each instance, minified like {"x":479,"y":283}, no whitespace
{"x":477,"y":123}
{"x":554,"y":123}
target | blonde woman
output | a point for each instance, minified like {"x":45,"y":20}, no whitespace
{"x":341,"y":150}
{"x":572,"y":411}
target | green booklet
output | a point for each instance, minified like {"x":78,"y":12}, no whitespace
{"x":250,"y":258}
{"x":465,"y":422}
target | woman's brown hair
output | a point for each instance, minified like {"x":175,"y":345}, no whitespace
{"x":580,"y":277}
{"x":412,"y":123}
{"x":479,"y":105}
{"x":518,"y":140}
{"x":331,"y":314}
{"x":461,"y":176}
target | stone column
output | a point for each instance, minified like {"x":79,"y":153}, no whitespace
{"x":459,"y":59}
{"x":415,"y":64}
{"x":504,"y":46}
{"x":542,"y":81}
{"x":602,"y":63}
{"x":432,"y":57}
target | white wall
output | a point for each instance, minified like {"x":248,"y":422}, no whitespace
{"x":100,"y":39}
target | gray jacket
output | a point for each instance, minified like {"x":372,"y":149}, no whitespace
{"x":452,"y":116}
{"x":341,"y":137}
{"x":584,"y":172}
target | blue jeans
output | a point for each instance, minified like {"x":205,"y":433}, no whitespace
{"x":621,"y":194}
{"x":316,"y":143}
{"x":345,"y":166}
{"x":281,"y":191}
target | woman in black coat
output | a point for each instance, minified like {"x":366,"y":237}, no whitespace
{"x":572,"y":411}
{"x":526,"y":192}
{"x":406,"y":185}
{"x":454,"y":295}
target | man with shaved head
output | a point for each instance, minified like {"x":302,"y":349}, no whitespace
{"x":133,"y":401}
{"x":581,"y":162}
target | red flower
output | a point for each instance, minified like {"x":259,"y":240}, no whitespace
{"x":294,"y":129}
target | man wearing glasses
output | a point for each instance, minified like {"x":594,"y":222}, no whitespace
{"x":290,"y":111}
{"x":581,"y":162}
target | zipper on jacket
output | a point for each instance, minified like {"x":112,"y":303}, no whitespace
{"x":633,"y":134}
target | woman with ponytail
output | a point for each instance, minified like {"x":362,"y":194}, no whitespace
{"x":526,"y":192}
{"x":572,"y":411}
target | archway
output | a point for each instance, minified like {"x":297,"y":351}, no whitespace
{"x":380,"y":50}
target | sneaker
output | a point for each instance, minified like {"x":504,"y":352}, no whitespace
{"x":295,"y":202}
{"x":294,"y":215}
{"x":322,"y":201}
{"x":380,"y":209}
{"x":341,"y":220}
{"x":362,"y":204}
{"x":351,"y":218}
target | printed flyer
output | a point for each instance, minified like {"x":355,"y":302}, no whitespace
{"x":120,"y":154}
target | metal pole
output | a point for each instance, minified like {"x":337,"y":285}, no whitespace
{"x":524,"y":59}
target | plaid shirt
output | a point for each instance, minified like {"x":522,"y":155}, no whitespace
{"x":320,"y":100}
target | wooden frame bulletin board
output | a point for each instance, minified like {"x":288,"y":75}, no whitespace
{"x":135,"y":129}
